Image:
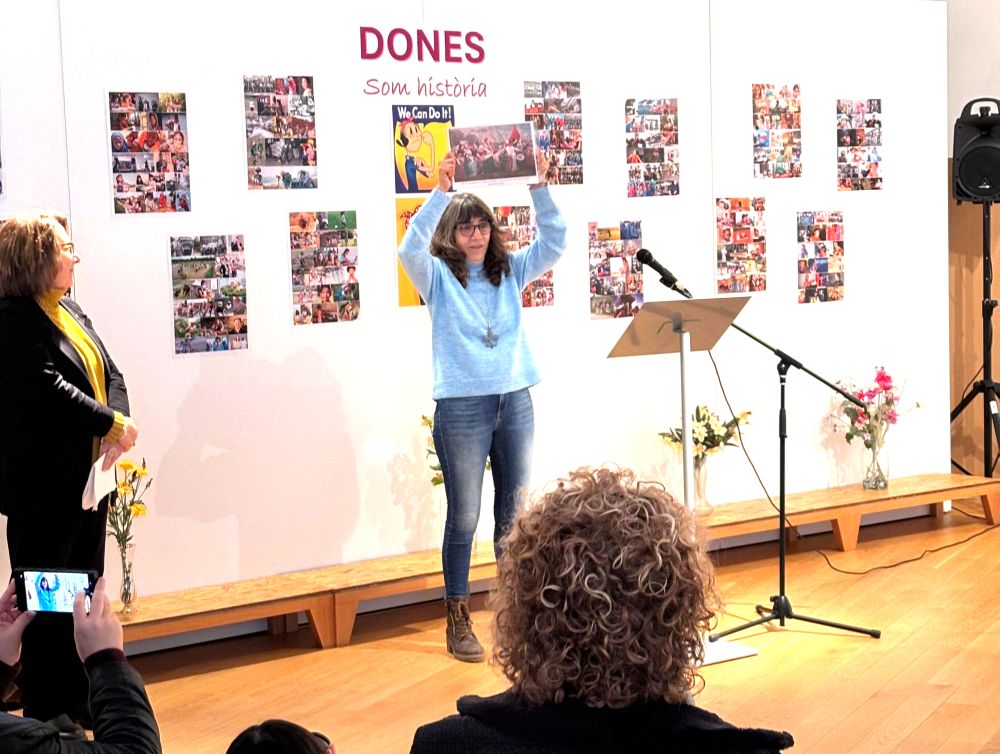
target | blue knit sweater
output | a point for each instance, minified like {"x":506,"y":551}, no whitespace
{"x":463,"y":364}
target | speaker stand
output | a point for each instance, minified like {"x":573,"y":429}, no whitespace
{"x":986,"y":387}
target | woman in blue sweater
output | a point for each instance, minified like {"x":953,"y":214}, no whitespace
{"x":455,"y":255}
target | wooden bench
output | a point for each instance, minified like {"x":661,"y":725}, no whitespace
{"x":330,"y":596}
{"x":844,"y":506}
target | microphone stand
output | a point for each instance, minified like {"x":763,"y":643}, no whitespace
{"x":781,"y":608}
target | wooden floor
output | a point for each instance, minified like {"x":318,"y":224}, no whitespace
{"x":930,"y":684}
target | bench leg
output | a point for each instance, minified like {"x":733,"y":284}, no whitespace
{"x":845,"y":530}
{"x":991,"y":507}
{"x":346,"y":607}
{"x":322,"y":621}
{"x":283,"y":624}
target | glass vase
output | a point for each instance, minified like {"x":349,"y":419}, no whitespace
{"x":128,"y":593}
{"x":701,"y":505}
{"x":876,"y":467}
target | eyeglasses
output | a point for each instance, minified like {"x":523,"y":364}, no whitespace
{"x":469,"y":229}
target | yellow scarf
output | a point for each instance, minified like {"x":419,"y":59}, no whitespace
{"x":93,"y":362}
{"x":90,"y":354}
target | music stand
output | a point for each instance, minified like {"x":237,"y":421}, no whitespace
{"x":679,"y":327}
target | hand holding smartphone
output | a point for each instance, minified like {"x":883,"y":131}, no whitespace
{"x":50,"y":590}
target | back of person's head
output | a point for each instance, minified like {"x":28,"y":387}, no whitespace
{"x":29,"y":251}
{"x":603,"y":592}
{"x":279,"y":737}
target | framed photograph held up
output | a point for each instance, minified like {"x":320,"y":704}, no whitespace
{"x":494,"y":154}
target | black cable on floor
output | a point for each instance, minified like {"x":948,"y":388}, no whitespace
{"x":909,"y":560}
{"x":799,"y":534}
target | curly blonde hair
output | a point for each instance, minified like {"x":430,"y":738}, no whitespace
{"x":603,"y":591}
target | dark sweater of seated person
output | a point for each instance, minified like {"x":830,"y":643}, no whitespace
{"x":123,"y":717}
{"x":603,"y":593}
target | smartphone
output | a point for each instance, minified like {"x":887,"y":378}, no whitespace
{"x":50,"y":590}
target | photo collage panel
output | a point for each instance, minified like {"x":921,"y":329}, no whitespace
{"x":615,"y":273}
{"x":280,"y":113}
{"x":821,"y":256}
{"x":149,"y":152}
{"x":324,"y":248}
{"x":519,"y":226}
{"x":777,"y":131}
{"x":740,"y":245}
{"x":859,"y":143}
{"x":210,"y":293}
{"x":651,"y":152}
{"x":556,"y":109}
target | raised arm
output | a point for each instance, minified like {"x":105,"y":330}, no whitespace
{"x":545,"y":250}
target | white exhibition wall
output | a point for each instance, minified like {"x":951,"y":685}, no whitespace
{"x":307,"y":449}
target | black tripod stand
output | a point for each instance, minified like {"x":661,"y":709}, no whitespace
{"x":781,"y":608}
{"x":985,"y":387}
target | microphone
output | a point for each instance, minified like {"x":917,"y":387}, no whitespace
{"x":668,"y":278}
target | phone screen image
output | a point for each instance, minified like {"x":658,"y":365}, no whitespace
{"x":53,"y":591}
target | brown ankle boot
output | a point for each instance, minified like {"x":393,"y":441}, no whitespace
{"x":462,"y":643}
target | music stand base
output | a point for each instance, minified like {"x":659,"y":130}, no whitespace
{"x":781,"y":610}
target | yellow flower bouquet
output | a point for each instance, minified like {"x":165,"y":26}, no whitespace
{"x":709,"y":433}
{"x":432,"y":456}
{"x":131,"y":483}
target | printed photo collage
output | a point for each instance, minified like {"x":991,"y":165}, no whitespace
{"x":740,"y":245}
{"x":555,"y":107}
{"x":777,"y":131}
{"x":651,"y":153}
{"x":280,"y":113}
{"x":150,"y":173}
{"x":821,"y":256}
{"x":859,"y":138}
{"x":210,"y":293}
{"x":149,"y":152}
{"x":615,"y":273}
{"x":324,"y":250}
{"x":518,"y":225}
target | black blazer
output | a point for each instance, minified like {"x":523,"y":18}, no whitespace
{"x":48,"y":415}
{"x":501,"y":723}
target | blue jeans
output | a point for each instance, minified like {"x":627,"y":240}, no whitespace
{"x":466,"y":431}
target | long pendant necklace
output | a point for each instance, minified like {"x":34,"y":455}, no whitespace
{"x":490,"y":338}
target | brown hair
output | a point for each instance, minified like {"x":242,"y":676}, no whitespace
{"x":29,"y":252}
{"x":462,"y":209}
{"x":603,"y":592}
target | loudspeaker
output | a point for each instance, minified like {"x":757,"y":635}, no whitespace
{"x":976,"y":153}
